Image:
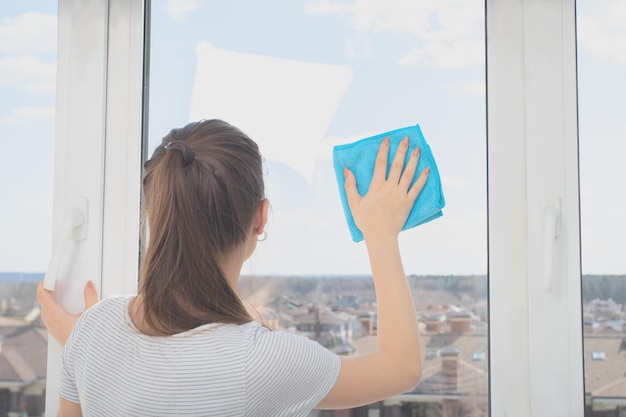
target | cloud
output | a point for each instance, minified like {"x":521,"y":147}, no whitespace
{"x":28,"y":34}
{"x":602,"y":32}
{"x":328,"y":7}
{"x":441,"y":20}
{"x":25,"y":115}
{"x":442,"y":29}
{"x":179,"y":9}
{"x":28,"y":73}
{"x":28,"y":52}
{"x":446,"y":55}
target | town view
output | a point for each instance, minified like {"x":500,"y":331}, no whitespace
{"x":340,"y":313}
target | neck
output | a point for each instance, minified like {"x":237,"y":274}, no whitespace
{"x":231,"y":267}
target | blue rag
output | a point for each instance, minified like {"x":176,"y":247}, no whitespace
{"x":360,"y":156}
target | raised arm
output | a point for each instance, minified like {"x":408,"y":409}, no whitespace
{"x":380,"y":215}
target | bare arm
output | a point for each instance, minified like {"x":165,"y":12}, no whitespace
{"x":396,"y":365}
{"x":69,"y":409}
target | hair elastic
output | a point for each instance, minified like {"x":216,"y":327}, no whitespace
{"x":184,"y":148}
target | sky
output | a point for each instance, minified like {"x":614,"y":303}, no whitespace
{"x":301,"y":77}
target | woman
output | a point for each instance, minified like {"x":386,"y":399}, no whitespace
{"x":185,"y":344}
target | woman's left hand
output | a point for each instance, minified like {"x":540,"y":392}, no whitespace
{"x":58,"y":320}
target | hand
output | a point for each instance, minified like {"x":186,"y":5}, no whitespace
{"x":383,"y":211}
{"x":58,"y":320}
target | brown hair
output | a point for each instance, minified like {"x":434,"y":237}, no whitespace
{"x":198,"y":211}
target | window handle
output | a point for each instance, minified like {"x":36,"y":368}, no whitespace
{"x":551,"y":231}
{"x":74,"y":228}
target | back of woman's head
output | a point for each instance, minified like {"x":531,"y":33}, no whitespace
{"x":202,"y":188}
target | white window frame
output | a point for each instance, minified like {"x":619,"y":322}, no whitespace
{"x":98,"y":151}
{"x":536,"y":355}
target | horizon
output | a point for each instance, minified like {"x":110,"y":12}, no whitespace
{"x":3,"y":274}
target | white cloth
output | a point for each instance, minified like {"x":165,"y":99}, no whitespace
{"x":112,"y":369}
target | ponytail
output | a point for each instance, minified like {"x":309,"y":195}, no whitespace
{"x":201,"y":189}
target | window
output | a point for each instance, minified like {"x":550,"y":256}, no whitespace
{"x":301,"y":77}
{"x":27,"y":87}
{"x":601,"y":86}
{"x":534,"y":281}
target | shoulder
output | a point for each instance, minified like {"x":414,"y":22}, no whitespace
{"x":113,"y":302}
{"x":262,"y":336}
{"x":113,"y":305}
{"x":103,"y":318}
{"x":294,"y":351}
{"x":287,"y":374}
{"x":109,"y":312}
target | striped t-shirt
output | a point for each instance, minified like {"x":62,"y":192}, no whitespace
{"x":112,"y":369}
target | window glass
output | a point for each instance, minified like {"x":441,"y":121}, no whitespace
{"x":302,"y":76}
{"x":27,"y":90}
{"x":602,"y":126}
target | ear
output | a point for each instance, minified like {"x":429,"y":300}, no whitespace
{"x":261,"y":216}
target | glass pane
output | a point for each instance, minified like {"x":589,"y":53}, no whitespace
{"x":27,"y":87}
{"x":602,"y":106}
{"x":302,"y":76}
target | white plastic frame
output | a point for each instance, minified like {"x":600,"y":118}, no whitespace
{"x":536,"y":353}
{"x":535,"y":325}
{"x":98,"y":151}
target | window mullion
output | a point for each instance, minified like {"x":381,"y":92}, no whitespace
{"x":125,"y":83}
{"x":535,"y":319}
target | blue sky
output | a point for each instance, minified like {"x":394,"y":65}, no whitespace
{"x":408,"y":62}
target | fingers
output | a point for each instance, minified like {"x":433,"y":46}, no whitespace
{"x":42,"y":295}
{"x":398,"y":161}
{"x":45,"y":297}
{"x":90,"y":294}
{"x":41,"y":292}
{"x":398,"y":173}
{"x":48,"y":303}
{"x":59,"y":321}
{"x":351,"y":191}
{"x":419,"y":184}
{"x":409,"y":170}
{"x":380,"y":167}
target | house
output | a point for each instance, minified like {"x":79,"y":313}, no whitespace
{"x":23,"y":365}
{"x":605,"y":375}
{"x":331,"y":329}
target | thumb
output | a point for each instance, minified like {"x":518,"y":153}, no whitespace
{"x":351,"y":191}
{"x":90,"y":294}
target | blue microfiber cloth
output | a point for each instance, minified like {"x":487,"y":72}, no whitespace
{"x":359,"y":157}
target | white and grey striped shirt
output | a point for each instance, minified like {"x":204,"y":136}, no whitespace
{"x":112,"y":369}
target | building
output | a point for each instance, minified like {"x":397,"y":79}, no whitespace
{"x":331,"y":329}
{"x":605,"y":375}
{"x":23,"y":364}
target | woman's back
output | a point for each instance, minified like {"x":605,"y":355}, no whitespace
{"x":213,"y":370}
{"x":205,"y":209}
